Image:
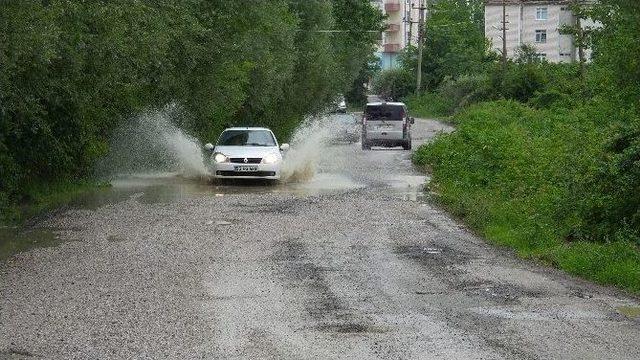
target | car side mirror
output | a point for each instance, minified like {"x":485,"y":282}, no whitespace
{"x":412,"y":120}
{"x":284,"y":147}
{"x":208,"y":147}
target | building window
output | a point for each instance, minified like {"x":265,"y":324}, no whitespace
{"x":542,"y":13}
{"x":541,"y":36}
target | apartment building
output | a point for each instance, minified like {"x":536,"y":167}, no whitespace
{"x":402,"y":28}
{"x":533,"y":22}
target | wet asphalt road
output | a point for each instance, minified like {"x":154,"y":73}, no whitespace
{"x":354,"y":264}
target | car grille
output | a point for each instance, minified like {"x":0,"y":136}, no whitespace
{"x":249,"y":160}
{"x":245,"y":173}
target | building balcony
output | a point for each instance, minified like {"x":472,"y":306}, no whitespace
{"x":391,"y":48}
{"x":393,"y":28}
{"x":391,"y":6}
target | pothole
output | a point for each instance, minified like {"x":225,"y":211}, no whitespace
{"x":116,"y":238}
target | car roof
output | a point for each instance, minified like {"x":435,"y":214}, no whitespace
{"x":247,"y":128}
{"x":385,"y":103}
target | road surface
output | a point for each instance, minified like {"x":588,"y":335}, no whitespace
{"x":355,"y":264}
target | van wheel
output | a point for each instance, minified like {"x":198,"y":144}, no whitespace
{"x":365,"y":145}
{"x":407,"y":145}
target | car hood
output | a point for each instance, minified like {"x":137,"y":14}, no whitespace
{"x":247,"y":151}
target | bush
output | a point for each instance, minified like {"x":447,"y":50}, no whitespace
{"x":452,"y":96}
{"x":429,"y":105}
{"x":529,"y":179}
{"x":520,"y":81}
{"x":613,"y":205}
{"x":393,"y":84}
{"x":540,"y":84}
{"x":466,"y":90}
{"x":551,"y":99}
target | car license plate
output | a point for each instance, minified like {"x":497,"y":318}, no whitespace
{"x":245,"y":168}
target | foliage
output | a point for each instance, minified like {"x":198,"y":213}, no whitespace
{"x":524,"y":178}
{"x":429,"y":105}
{"x":393,"y":84}
{"x":466,"y":90}
{"x":554,"y":170}
{"x":580,"y":34}
{"x":454,"y":42}
{"x":617,"y":70}
{"x":527,"y":54}
{"x":72,"y":71}
{"x":356,"y":96}
{"x":612,"y":208}
{"x":360,"y":25}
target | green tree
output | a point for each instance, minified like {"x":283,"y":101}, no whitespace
{"x":358,"y":25}
{"x":73,"y":71}
{"x":615,"y":49}
{"x":581,"y":35}
{"x":454,"y":42}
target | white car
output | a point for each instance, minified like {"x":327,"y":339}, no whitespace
{"x":246,"y":153}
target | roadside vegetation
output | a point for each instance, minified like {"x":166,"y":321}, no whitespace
{"x":546,"y":157}
{"x":71,"y":72}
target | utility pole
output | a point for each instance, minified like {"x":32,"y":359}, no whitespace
{"x":504,"y":35}
{"x":421,"y":26}
{"x":408,"y":20}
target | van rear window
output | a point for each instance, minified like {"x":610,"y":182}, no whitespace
{"x":384,"y":112}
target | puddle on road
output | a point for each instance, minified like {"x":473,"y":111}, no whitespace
{"x":171,"y":187}
{"x":629,"y":311}
{"x":15,"y":240}
{"x":168,"y":188}
{"x":408,"y":187}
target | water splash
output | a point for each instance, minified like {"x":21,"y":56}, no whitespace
{"x":152,"y":143}
{"x":311,"y":147}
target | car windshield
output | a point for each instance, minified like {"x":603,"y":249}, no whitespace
{"x":384,"y":112}
{"x":247,"y":138}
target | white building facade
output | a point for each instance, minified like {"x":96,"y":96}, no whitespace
{"x":402,"y":29}
{"x":536,"y":23}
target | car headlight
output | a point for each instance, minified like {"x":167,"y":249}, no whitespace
{"x":220,"y":157}
{"x":270,"y":159}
